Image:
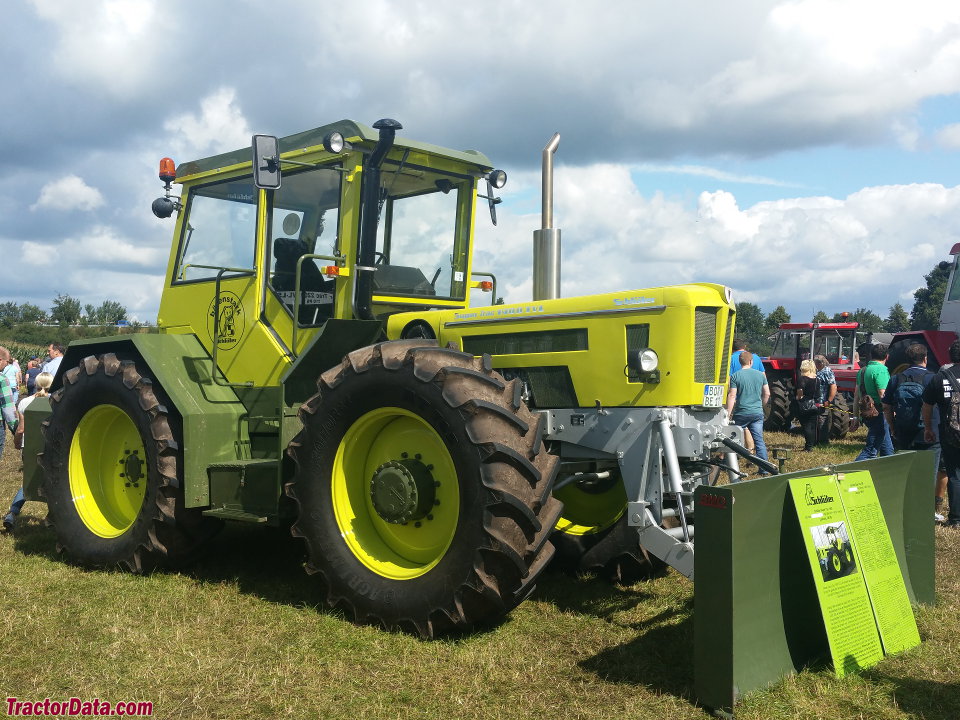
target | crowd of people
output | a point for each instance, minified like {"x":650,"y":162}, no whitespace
{"x":34,"y":383}
{"x":915,"y":409}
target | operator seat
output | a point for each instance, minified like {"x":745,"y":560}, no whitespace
{"x":287,"y":251}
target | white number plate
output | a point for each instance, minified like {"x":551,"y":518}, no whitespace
{"x":713,"y":395}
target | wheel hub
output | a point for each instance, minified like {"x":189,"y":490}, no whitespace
{"x":403,"y":491}
{"x":132,"y":469}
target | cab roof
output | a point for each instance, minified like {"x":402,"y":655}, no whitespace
{"x":355,"y":132}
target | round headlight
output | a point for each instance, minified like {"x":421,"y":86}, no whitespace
{"x":648,"y":360}
{"x":498,"y":178}
{"x":333,"y":143}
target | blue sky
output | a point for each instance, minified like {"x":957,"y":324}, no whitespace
{"x":803,"y":152}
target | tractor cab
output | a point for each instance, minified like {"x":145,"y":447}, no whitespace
{"x":344,"y":222}
{"x":803,"y":341}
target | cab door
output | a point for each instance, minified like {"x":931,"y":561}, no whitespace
{"x":213,"y":288}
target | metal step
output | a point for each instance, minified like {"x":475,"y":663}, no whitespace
{"x":228,"y":514}
{"x":244,"y":464}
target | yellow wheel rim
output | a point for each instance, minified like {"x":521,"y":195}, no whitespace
{"x":108,"y":471}
{"x":586,"y":513}
{"x":389,"y":436}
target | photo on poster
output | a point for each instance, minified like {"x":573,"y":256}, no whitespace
{"x":834,"y":550}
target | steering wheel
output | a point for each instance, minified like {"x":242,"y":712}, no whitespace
{"x":433,"y":282}
{"x":380,"y":259}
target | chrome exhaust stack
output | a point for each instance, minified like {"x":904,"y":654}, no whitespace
{"x":546,"y":240}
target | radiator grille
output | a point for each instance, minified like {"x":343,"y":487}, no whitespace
{"x":705,"y":345}
{"x":522,"y":343}
{"x":725,"y":358}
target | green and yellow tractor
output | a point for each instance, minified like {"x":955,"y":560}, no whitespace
{"x":322,"y":364}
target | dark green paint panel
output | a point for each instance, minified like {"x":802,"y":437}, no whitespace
{"x":757,"y":617}
{"x":328,"y":347}
{"x":214,"y":419}
{"x":37,"y":412}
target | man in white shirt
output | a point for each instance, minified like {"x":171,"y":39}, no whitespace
{"x":56,"y":355}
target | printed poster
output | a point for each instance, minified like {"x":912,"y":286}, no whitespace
{"x":878,"y":562}
{"x":841,"y":588}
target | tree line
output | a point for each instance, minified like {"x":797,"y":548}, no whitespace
{"x":66,"y":310}
{"x":759,"y":328}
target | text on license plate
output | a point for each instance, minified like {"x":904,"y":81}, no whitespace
{"x":712,"y":395}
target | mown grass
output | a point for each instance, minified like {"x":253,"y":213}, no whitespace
{"x":240,"y":635}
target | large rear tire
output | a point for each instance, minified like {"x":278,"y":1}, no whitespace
{"x":839,"y":418}
{"x":777,"y":416}
{"x":112,"y":465}
{"x":423,"y":489}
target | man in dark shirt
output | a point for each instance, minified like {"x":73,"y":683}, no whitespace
{"x":939,"y":393}
{"x":33,"y":369}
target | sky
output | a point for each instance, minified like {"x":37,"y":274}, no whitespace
{"x":805,"y":153}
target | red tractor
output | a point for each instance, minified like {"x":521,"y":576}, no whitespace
{"x":801,"y":341}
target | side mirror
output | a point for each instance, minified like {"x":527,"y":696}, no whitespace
{"x":492,"y":201}
{"x":266,"y":162}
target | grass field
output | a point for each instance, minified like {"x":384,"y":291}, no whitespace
{"x":240,"y":635}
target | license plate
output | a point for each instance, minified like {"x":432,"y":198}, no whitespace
{"x":713,"y":395}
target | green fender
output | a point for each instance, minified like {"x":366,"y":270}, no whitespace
{"x":214,"y":418}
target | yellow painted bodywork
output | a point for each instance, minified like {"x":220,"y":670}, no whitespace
{"x":599,"y":372}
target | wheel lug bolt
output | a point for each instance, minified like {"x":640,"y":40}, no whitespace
{"x":429,"y":517}
{"x":127,"y":484}
{"x":417,"y":456}
{"x":417,"y":524}
{"x":429,"y":467}
{"x":436,"y":502}
{"x":123,"y":475}
{"x":436,"y":483}
{"x":404,"y":455}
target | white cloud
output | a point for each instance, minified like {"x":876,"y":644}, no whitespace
{"x":949,"y":136}
{"x":114,"y":45}
{"x":102,"y":248}
{"x":68,"y":193}
{"x":870,"y":249}
{"x":219,"y":127}
{"x":711,"y":172}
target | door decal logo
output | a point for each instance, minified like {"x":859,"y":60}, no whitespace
{"x":227,"y":321}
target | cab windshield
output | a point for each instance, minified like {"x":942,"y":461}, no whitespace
{"x":421,"y":236}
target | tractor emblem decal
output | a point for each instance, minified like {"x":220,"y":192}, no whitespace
{"x":812,"y":499}
{"x":226,"y":323}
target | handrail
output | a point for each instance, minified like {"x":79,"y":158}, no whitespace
{"x":493,"y":290}
{"x":245,"y":271}
{"x":216,"y":321}
{"x":296,"y":291}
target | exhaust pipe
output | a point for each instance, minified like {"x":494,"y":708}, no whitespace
{"x":546,"y":240}
{"x":363,"y":289}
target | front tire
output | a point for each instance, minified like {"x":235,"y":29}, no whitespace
{"x":111,"y":466}
{"x":423,"y":489}
{"x":594,"y":537}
